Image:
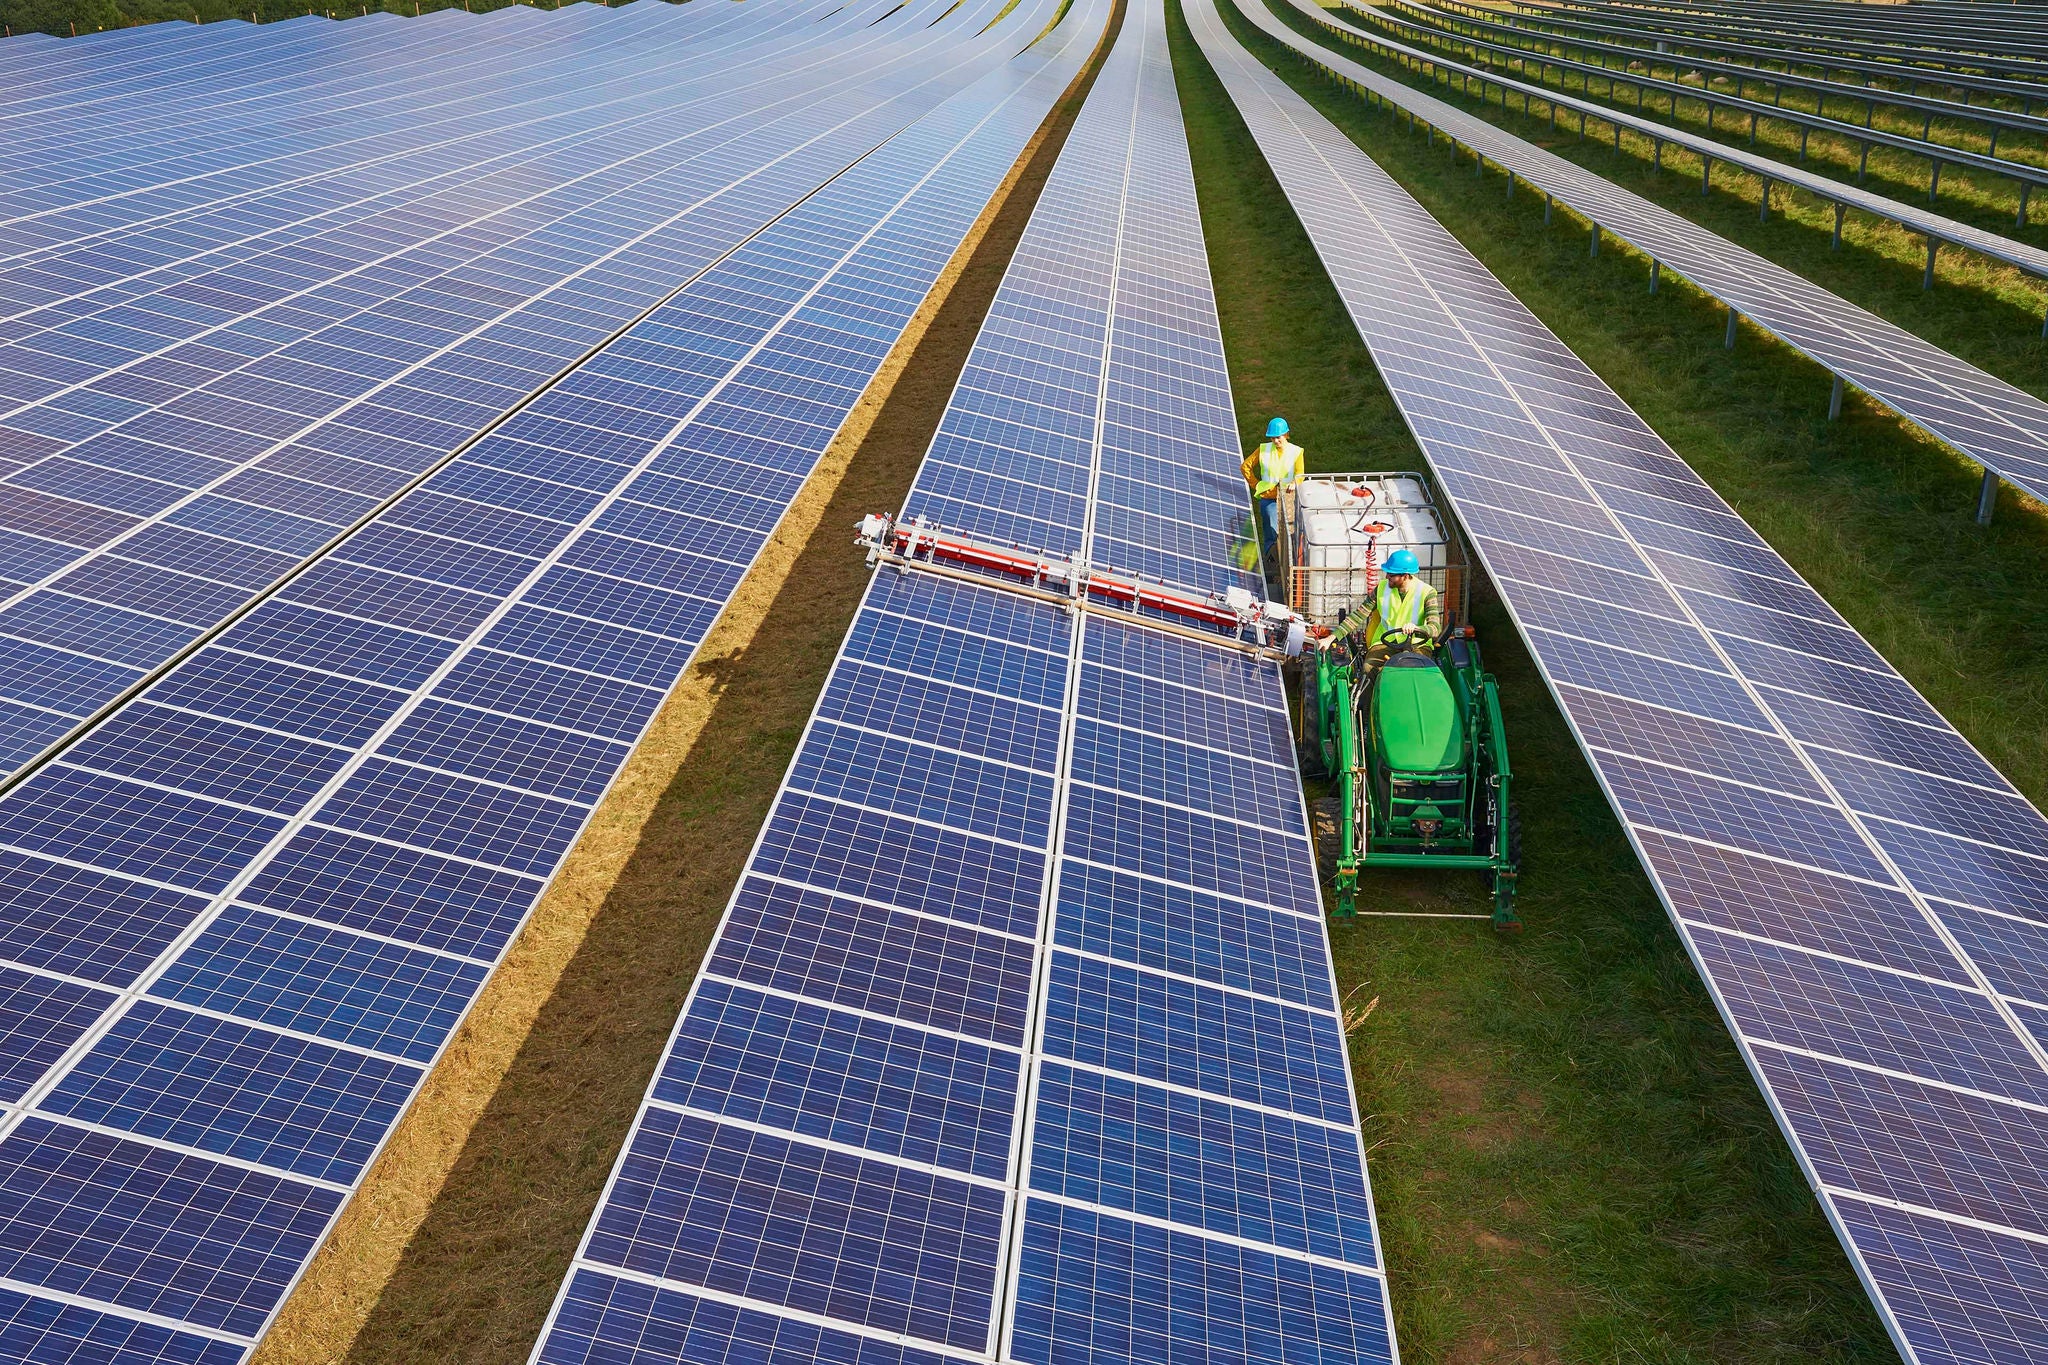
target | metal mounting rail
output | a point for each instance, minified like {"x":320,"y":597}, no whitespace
{"x":1234,"y":618}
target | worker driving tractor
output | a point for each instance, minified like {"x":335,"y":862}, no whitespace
{"x":1276,"y":463}
{"x":1404,"y":612}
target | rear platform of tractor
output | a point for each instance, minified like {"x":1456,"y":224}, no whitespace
{"x":1415,"y":749}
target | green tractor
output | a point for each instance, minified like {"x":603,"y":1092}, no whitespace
{"x":1417,"y":753}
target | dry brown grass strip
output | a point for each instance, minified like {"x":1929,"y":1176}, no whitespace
{"x":454,"y":1246}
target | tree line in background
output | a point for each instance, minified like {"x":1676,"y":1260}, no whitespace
{"x":67,"y":17}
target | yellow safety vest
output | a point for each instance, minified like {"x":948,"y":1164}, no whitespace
{"x":1400,"y":611}
{"x":1277,"y":464}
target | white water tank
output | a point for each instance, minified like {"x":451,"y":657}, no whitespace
{"x":1345,"y":525}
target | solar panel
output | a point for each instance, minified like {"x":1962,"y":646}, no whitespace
{"x":2001,"y":427}
{"x":1852,"y":37}
{"x":1925,"y":221}
{"x":1557,"y":22}
{"x":1440,"y":24}
{"x":1860,"y":889}
{"x":1164,"y":1041}
{"x":160,"y":484}
{"x":246,"y":913}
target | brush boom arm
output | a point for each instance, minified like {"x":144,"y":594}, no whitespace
{"x":1233,"y":618}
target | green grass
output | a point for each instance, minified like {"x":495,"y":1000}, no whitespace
{"x":1571,"y":1161}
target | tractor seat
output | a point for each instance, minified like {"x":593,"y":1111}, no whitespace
{"x":1417,"y":724}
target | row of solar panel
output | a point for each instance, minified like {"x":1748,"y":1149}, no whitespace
{"x":1759,"y":49}
{"x":889,"y":999}
{"x":234,"y":422}
{"x":1990,"y":120}
{"x":1865,"y":895}
{"x":1965,"y":43}
{"x":248,"y":910}
{"x":1991,"y":421}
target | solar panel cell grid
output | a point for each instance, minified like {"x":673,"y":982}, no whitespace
{"x":356,"y":896}
{"x":793,"y":1224}
{"x":1211,"y":1013}
{"x":1831,"y":850}
{"x":248,"y":507}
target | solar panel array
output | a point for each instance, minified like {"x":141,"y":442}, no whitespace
{"x":241,"y":918}
{"x":1914,"y":218}
{"x":1853,"y":34}
{"x":1866,"y":897}
{"x":1557,"y":21}
{"x":1019,"y":1039}
{"x":1454,"y":19}
{"x":2002,"y":427}
{"x":220,"y":355}
{"x":1468,"y":38}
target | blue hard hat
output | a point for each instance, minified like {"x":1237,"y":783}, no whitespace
{"x":1276,"y":427}
{"x":1401,"y":561}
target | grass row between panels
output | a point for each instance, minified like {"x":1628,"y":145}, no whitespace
{"x":1571,"y":1161}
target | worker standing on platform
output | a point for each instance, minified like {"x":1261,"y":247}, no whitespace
{"x":1275,"y":464}
{"x":1404,"y":612}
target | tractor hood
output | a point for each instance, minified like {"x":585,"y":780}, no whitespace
{"x":1416,"y":722}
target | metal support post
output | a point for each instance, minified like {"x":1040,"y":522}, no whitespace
{"x":1803,"y":131}
{"x":1864,"y":164}
{"x":2021,"y":221}
{"x":1546,"y":210}
{"x":1763,"y":209}
{"x":1835,"y":400}
{"x":1595,"y":250}
{"x":1987,"y":497}
{"x":1934,"y":182}
{"x":1657,"y":155}
{"x":1656,"y":269}
{"x":1728,"y":341}
{"x":1927,"y":279}
{"x":1840,"y":210}
{"x":1706,"y":175}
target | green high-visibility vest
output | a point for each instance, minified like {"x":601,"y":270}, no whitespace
{"x":1279,"y":463}
{"x":1400,"y":611}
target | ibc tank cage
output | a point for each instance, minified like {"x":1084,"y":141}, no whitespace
{"x":1337,"y":529}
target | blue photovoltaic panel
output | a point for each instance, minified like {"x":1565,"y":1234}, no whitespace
{"x":1195,"y":1180}
{"x":860,"y":1022}
{"x":288,"y":928}
{"x":1167,"y":1038}
{"x":251,"y":400}
{"x":1866,"y":897}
